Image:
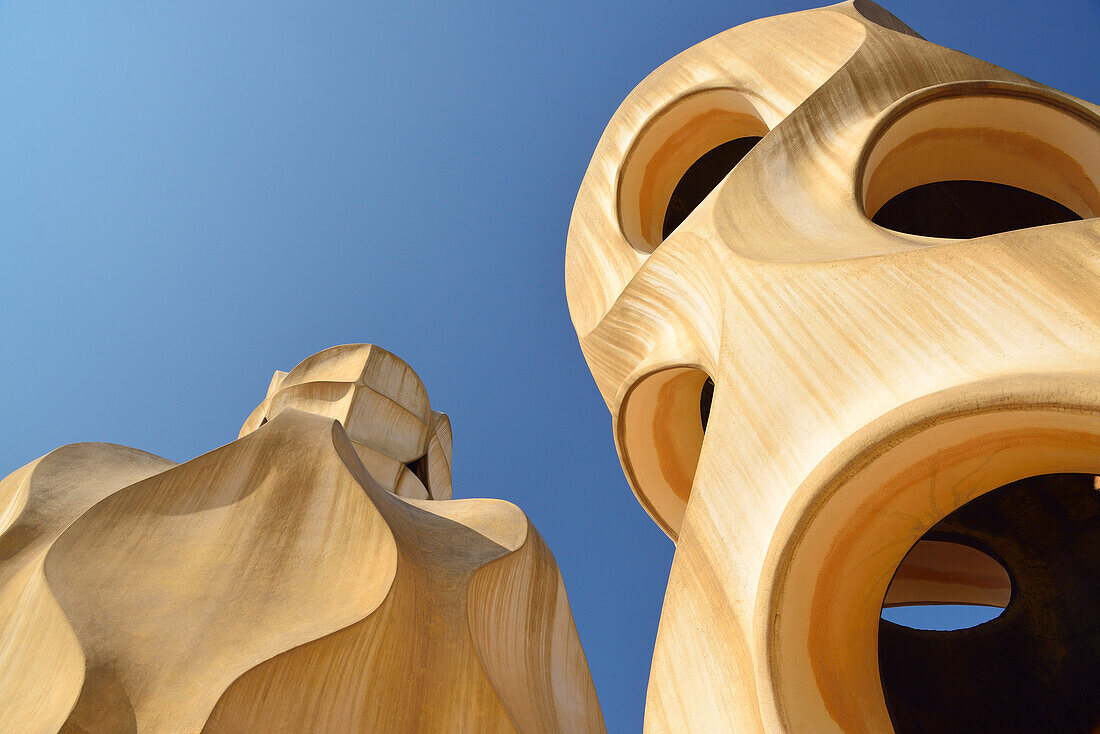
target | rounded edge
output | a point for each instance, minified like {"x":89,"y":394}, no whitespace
{"x":851,"y":522}
{"x":659,"y":435}
{"x":674,"y":138}
{"x":1018,"y":135}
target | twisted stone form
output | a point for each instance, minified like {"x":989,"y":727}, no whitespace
{"x":834,"y":282}
{"x":298,"y":579}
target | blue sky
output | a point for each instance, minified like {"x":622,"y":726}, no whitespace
{"x":195,"y":194}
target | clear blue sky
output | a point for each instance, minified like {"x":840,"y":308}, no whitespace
{"x":197,"y":193}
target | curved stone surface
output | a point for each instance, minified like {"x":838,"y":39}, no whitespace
{"x":274,"y":584}
{"x":1030,"y":668}
{"x":798,"y":393}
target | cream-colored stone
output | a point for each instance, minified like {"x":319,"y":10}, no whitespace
{"x":294,"y":580}
{"x":867,"y":382}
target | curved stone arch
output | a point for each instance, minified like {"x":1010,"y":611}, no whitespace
{"x":852,"y":521}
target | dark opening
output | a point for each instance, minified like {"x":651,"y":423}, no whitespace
{"x":1034,"y":667}
{"x":964,"y":209}
{"x":701,"y":178}
{"x":706,"y":396}
{"x":420,"y":469}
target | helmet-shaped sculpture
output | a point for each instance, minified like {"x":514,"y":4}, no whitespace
{"x":302,"y":578}
{"x":383,"y":407}
{"x":838,"y":286}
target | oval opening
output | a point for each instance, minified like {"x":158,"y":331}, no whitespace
{"x":976,"y":159}
{"x":680,"y":156}
{"x":660,"y":429}
{"x":702,"y":178}
{"x":966,"y":209}
{"x":1028,"y":669}
{"x":944,"y":586}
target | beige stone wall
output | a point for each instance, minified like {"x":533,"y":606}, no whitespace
{"x":867,"y":381}
{"x":298,"y":579}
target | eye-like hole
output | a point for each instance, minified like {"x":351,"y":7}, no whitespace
{"x":660,"y":429}
{"x":946,"y":586}
{"x":965,"y":209}
{"x":1031,"y":665}
{"x":681,"y":155}
{"x":976,"y":159}
{"x":703,"y":176}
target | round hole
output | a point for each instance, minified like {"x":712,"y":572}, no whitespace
{"x":946,"y":586}
{"x":965,"y":209}
{"x":659,"y":430}
{"x":701,"y":178}
{"x":974,"y":159}
{"x":1026,"y":660}
{"x":680,"y":156}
